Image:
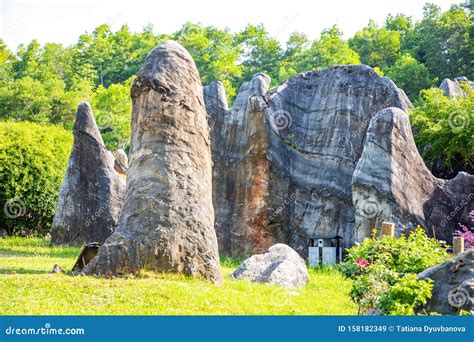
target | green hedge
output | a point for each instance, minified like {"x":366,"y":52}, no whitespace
{"x":384,"y":272}
{"x":33,"y":161}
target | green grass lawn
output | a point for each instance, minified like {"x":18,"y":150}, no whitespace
{"x":28,"y":287}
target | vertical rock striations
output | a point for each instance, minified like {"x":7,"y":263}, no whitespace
{"x":328,"y":152}
{"x":167,"y":223}
{"x":91,"y":196}
{"x":392,"y":183}
{"x":240,"y":173}
{"x":283,"y":160}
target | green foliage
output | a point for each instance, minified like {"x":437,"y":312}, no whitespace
{"x":443,"y":42}
{"x":328,"y":51}
{"x":385,"y":271}
{"x":410,"y":75}
{"x":33,"y":160}
{"x":445,"y":126}
{"x":405,"y":295}
{"x":45,"y":83}
{"x":290,"y":141}
{"x":112,"y":109}
{"x":377,"y":46}
{"x":260,"y":53}
{"x":214,"y":52}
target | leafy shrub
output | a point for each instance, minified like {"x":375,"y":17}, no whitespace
{"x":384,"y":272}
{"x":33,"y":161}
{"x":445,"y":126}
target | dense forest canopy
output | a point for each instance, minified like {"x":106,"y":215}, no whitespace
{"x":44,"y":83}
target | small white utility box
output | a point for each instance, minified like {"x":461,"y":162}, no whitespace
{"x":324,"y":250}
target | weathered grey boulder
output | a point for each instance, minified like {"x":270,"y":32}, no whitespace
{"x":121,"y":162}
{"x":392,"y":183}
{"x":167,"y":222}
{"x":280,"y":265}
{"x":91,"y":196}
{"x":453,"y":287}
{"x":451,"y":88}
{"x":284,"y":159}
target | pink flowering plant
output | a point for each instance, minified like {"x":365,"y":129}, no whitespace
{"x":362,"y":263}
{"x":467,"y":232}
{"x":384,"y":272}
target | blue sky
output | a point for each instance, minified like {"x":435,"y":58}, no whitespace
{"x":62,"y":21}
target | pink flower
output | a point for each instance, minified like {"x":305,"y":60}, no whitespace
{"x":362,"y":263}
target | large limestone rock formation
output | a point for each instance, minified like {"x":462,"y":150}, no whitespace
{"x":392,"y":183}
{"x":453,"y":285}
{"x":289,"y":163}
{"x":92,"y":193}
{"x":283,"y":160}
{"x":280,"y":265}
{"x":167,"y":222}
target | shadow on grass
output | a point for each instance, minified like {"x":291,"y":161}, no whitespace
{"x":18,"y":246}
{"x":21,"y":271}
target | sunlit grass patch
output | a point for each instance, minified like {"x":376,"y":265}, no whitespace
{"x":28,"y":287}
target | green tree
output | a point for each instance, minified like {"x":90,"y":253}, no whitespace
{"x":5,"y":63}
{"x":290,"y":63}
{"x":112,"y":108}
{"x":410,"y":75}
{"x":443,"y":42}
{"x":377,"y":46}
{"x":331,"y":49}
{"x":260,"y":53}
{"x":214,"y":53}
{"x":445,"y":126}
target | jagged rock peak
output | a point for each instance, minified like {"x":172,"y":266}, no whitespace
{"x":85,"y":123}
{"x":215,"y":96}
{"x":91,"y":195}
{"x":257,"y":86}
